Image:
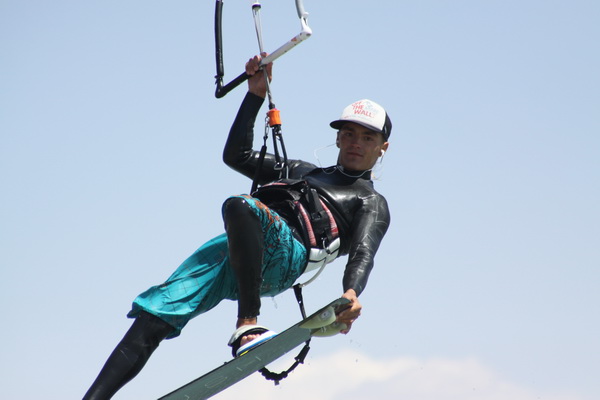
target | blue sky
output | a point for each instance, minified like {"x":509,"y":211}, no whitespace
{"x":486,"y":286}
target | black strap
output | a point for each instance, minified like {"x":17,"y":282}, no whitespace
{"x":276,"y":377}
{"x":281,"y":164}
{"x":300,"y":299}
{"x":261,"y":159}
{"x":319,"y":218}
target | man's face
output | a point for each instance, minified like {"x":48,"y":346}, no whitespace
{"x":359,"y":147}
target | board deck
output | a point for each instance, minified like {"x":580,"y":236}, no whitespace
{"x":256,"y":358}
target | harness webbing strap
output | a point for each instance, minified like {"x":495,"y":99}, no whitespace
{"x":261,"y":159}
{"x":300,"y":299}
{"x":273,"y":120}
{"x":323,"y":223}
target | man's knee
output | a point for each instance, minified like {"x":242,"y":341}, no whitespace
{"x":237,"y":210}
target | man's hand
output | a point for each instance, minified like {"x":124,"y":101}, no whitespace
{"x":349,"y":315}
{"x":256,"y":82}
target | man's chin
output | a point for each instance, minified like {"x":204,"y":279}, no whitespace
{"x":353,"y":167}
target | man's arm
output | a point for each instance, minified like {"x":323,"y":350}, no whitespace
{"x":368,"y":229}
{"x":239,"y":153}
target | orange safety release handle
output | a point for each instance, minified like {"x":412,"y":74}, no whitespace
{"x":274,"y":118}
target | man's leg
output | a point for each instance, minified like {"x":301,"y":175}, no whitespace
{"x":246,"y":245}
{"x":130,"y":356}
{"x":264,"y":255}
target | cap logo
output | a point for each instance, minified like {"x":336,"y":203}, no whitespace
{"x":365,"y":112}
{"x":364,"y":108}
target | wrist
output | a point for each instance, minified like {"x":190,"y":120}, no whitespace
{"x":259,"y":93}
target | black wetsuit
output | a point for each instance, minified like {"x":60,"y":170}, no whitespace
{"x":360,"y":212}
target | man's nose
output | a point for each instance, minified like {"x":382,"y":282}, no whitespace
{"x":354,"y":141}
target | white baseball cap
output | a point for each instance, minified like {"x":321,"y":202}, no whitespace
{"x":368,"y":114}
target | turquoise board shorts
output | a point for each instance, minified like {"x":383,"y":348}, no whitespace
{"x":205,"y":278}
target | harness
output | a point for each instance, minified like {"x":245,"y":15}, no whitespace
{"x":320,"y":231}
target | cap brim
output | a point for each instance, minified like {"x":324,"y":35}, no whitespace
{"x":337,"y":124}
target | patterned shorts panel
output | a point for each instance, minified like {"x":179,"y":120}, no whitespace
{"x":205,"y":278}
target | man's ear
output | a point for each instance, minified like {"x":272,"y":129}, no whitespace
{"x":384,"y":148}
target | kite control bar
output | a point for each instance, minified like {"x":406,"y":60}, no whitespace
{"x":304,"y":34}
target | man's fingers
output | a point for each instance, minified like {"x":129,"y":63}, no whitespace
{"x":253,"y":65}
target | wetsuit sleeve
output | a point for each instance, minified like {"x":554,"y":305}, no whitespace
{"x":239,"y":153}
{"x":368,"y":229}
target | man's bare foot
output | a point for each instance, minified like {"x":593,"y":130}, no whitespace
{"x":247,"y":339}
{"x":247,"y":321}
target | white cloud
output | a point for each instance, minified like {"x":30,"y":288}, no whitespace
{"x":351,"y":375}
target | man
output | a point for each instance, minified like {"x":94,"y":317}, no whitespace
{"x":284,"y":229}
